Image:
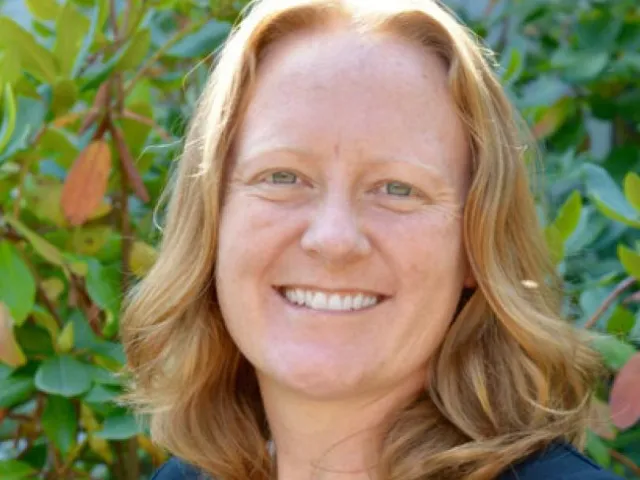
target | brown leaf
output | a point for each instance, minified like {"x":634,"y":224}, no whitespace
{"x":625,"y":394}
{"x":86,"y":183}
{"x":600,"y":420}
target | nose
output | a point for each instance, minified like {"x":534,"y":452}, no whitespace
{"x":334,"y":233}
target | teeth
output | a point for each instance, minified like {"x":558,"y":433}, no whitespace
{"x":332,"y":302}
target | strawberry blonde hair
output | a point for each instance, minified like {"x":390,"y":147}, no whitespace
{"x":510,"y":377}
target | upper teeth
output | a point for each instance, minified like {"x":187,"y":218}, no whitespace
{"x":329,"y":301}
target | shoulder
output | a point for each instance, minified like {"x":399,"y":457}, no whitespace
{"x":176,"y":469}
{"x":559,"y":461}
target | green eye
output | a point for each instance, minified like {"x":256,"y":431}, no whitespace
{"x":283,"y":178}
{"x":398,"y":189}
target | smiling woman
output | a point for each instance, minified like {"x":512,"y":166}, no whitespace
{"x":343,"y":289}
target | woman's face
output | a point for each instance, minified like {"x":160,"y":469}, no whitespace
{"x":340,"y":260}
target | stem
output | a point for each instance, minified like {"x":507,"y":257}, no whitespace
{"x":620,"y":288}
{"x":147,"y":121}
{"x":626,"y":461}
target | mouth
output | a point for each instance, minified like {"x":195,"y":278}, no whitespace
{"x":328,"y":301}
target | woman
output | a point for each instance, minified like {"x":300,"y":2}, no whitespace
{"x":344,"y":285}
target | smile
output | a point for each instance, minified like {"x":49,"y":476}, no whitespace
{"x":329,"y":301}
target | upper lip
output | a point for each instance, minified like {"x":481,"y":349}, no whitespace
{"x":334,"y":290}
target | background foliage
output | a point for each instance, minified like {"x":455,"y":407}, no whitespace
{"x":94,"y":98}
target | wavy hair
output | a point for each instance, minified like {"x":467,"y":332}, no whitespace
{"x":511,"y":375}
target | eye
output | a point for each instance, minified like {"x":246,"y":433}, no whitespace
{"x":282,"y":178}
{"x":399,"y":189}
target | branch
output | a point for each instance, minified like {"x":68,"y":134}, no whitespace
{"x":626,"y":461}
{"x":620,"y":288}
{"x":147,"y":121}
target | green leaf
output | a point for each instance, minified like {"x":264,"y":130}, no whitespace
{"x":103,"y":376}
{"x":16,"y":470}
{"x":607,"y":197}
{"x":8,"y":117}
{"x":45,"y":249}
{"x":615,"y":352}
{"x":630,"y":261}
{"x":63,"y":375}
{"x":65,"y":94}
{"x":15,"y":390}
{"x":598,"y":450}
{"x":71,"y":32}
{"x":514,"y":65}
{"x":10,"y":68}
{"x":119,"y":427}
{"x":30,"y":115}
{"x":100,"y":72}
{"x":569,"y":215}
{"x":17,"y":286}
{"x":632,"y":189}
{"x":203,"y":41}
{"x":580,"y":66}
{"x":103,"y":285}
{"x":65,"y":339}
{"x":59,"y":421}
{"x":43,"y":9}
{"x":100,"y":394}
{"x":98,"y":17}
{"x":555,"y":243}
{"x":35,"y":59}
{"x":621,"y":322}
{"x":136,"y":51}
{"x":43,"y":318}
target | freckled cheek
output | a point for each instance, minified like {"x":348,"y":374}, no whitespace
{"x":421,"y":246}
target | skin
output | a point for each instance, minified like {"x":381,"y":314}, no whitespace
{"x":344,"y":117}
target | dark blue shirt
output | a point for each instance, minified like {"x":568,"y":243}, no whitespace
{"x":558,"y":462}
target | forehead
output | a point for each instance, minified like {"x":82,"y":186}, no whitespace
{"x":375,"y":92}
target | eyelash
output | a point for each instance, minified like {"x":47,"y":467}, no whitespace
{"x":414,"y":192}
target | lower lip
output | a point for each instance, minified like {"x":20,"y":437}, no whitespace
{"x":302,"y":308}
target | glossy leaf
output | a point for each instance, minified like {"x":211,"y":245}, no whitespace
{"x":204,"y":41}
{"x":17,"y":286}
{"x":65,"y":339}
{"x":136,"y":51}
{"x":43,"y":9}
{"x":103,"y":285}
{"x":45,"y":249}
{"x":621,"y":321}
{"x":63,"y":375}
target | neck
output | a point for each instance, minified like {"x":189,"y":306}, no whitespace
{"x":335,"y":439}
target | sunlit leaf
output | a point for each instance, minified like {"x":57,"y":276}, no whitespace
{"x":8,"y":117}
{"x":34,"y":58}
{"x":46,"y":320}
{"x":621,"y":321}
{"x":142,"y":258}
{"x":43,"y":9}
{"x":632,"y":189}
{"x":16,"y":470}
{"x":65,"y":94}
{"x":65,"y":338}
{"x":45,"y":249}
{"x":136,"y":51}
{"x":71,"y":32}
{"x":569,"y":215}
{"x":17,"y":286}
{"x":607,"y":196}
{"x":630,"y":261}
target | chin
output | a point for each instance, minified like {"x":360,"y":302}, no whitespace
{"x":321,"y":379}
